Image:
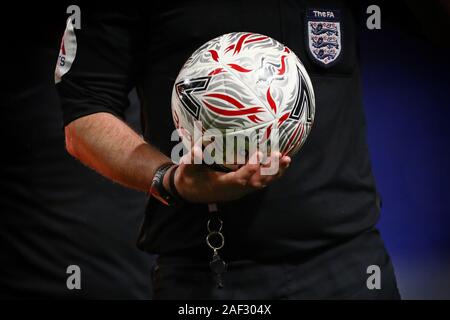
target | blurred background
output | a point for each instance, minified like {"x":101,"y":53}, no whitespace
{"x":405,"y":73}
{"x":54,"y":211}
{"x":405,"y":70}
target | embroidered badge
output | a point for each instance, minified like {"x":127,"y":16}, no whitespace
{"x":324,"y":36}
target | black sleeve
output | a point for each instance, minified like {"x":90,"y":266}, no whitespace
{"x":97,"y":64}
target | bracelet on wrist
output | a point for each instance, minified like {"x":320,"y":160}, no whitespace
{"x":157,"y":189}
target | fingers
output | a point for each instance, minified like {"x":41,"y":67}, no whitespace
{"x":275,"y":164}
{"x":285,"y":162}
{"x":202,"y":184}
{"x":243,"y":175}
{"x":256,"y":175}
{"x":271,"y":170}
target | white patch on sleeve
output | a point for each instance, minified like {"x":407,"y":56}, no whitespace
{"x":67,"y":52}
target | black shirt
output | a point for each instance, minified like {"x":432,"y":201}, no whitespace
{"x":327,"y":195}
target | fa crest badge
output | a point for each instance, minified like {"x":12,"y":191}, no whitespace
{"x":324,"y":36}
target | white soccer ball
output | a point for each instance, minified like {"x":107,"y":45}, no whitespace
{"x":244,"y":84}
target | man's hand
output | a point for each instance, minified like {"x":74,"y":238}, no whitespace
{"x":199,"y":183}
{"x":106,"y":144}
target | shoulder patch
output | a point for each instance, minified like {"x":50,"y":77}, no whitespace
{"x":323,"y":36}
{"x":67,"y":52}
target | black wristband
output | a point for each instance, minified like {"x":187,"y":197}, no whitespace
{"x":157,"y":189}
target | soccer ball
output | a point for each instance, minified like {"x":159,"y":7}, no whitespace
{"x":244,"y":85}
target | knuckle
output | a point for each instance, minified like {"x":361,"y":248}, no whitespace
{"x":257,"y":185}
{"x":242,"y":182}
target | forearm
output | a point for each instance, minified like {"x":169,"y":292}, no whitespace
{"x":106,"y":144}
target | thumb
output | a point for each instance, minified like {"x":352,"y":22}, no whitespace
{"x":194,"y":156}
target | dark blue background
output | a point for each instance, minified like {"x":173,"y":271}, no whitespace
{"x":406,"y":97}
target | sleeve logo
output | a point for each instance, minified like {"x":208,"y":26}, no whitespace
{"x":67,"y":52}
